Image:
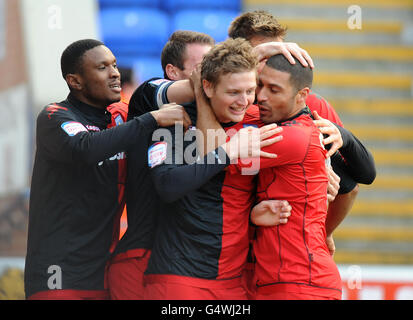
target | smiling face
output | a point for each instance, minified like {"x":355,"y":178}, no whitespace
{"x":232,"y":95}
{"x":98,"y":81}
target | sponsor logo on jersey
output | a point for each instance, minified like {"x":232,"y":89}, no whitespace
{"x":92,"y":128}
{"x":118,"y":156}
{"x":72,"y":128}
{"x":249,"y":125}
{"x":157,"y":154}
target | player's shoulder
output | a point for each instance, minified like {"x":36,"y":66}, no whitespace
{"x":119,"y":109}
{"x":55,"y":109}
{"x":319,"y":104}
{"x":298,"y":128}
{"x":316,"y":102}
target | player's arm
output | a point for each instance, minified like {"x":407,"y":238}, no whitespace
{"x":156,"y":92}
{"x":288,"y":49}
{"x":358,"y":161}
{"x":180,"y":91}
{"x":269,"y":213}
{"x":337,"y":211}
{"x":291,"y":136}
{"x":64,"y":138}
{"x":173,"y":181}
{"x":333,"y":184}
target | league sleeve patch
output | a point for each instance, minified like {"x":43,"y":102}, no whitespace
{"x":249,"y":125}
{"x":118,"y":120}
{"x":161,"y":96}
{"x":158,"y":82}
{"x":157,"y":154}
{"x":72,"y":128}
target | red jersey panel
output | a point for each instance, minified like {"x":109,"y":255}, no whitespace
{"x":294,"y":257}
{"x":119,"y":115}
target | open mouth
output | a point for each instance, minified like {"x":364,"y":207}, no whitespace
{"x":263,"y":110}
{"x":115,"y":87}
{"x":238,"y":110}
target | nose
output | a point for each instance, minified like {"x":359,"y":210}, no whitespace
{"x":243,"y":99}
{"x":114,"y":72}
{"x":261,"y":96}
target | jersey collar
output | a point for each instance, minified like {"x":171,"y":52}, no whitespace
{"x":305,"y":110}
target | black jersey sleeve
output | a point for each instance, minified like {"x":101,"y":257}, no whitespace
{"x":358,"y":161}
{"x":62,"y":137}
{"x":149,"y":96}
{"x":173,"y":176}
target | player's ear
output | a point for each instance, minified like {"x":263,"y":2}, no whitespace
{"x":74,"y":81}
{"x":302,"y":95}
{"x":172,"y":72}
{"x":208,"y":88}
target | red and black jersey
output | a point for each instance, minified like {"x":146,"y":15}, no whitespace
{"x":74,"y":193}
{"x":294,"y":257}
{"x":203,"y":229}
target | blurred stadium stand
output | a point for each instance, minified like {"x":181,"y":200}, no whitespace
{"x":137,"y":30}
{"x":128,"y":31}
{"x":366,"y":74}
{"x":129,"y":3}
{"x":175,"y":5}
{"x":212,"y":22}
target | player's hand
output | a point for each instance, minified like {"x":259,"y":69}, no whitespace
{"x":248,"y":141}
{"x":333,"y":184}
{"x":170,"y":114}
{"x":195,"y":79}
{"x":269,"y":213}
{"x":288,"y":49}
{"x":334,"y":136}
{"x":330,"y":245}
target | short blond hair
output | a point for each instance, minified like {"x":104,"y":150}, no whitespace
{"x":256,"y":23}
{"x":230,"y":56}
